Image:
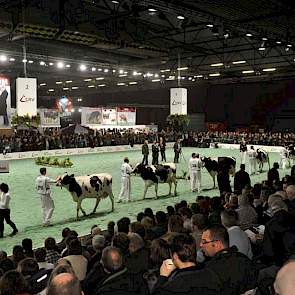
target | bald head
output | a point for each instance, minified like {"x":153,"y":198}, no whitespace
{"x":290,"y":191}
{"x":64,"y":284}
{"x":285,"y":280}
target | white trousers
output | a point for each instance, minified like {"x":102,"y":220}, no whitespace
{"x":125,"y":189}
{"x":243,"y":157}
{"x":47,"y":208}
{"x":252,"y":168}
{"x":284,"y":162}
{"x":195,"y":178}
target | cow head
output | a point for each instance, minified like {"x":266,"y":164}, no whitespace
{"x":205,"y":160}
{"x":138,"y":168}
{"x":64,"y":180}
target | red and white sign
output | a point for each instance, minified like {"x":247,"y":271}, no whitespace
{"x":126,"y":116}
{"x":26,"y":96}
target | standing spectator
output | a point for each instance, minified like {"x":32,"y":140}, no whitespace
{"x":252,"y":160}
{"x":241,"y":180}
{"x":177,"y":150}
{"x":155,"y":153}
{"x":195,"y":165}
{"x":125,"y":181}
{"x":273,"y":174}
{"x":43,"y":189}
{"x":162,"y":145}
{"x":5,"y":210}
{"x":243,"y":151}
{"x":145,"y":153}
{"x":223,"y":181}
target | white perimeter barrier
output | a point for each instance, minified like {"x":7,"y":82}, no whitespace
{"x":267,"y":148}
{"x":76,"y":151}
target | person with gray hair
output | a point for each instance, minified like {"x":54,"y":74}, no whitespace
{"x":64,"y":284}
{"x":285,"y":279}
{"x":98,"y":244}
{"x":247,"y":214}
{"x":237,"y":237}
{"x":290,"y":192}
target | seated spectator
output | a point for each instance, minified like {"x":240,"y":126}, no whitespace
{"x":180,"y":275}
{"x":147,"y":222}
{"x":51,"y":251}
{"x":118,"y":278}
{"x":137,"y":228}
{"x":64,"y":284}
{"x":237,"y":237}
{"x":175,"y":226}
{"x":109,"y":233}
{"x":273,"y":174}
{"x":199,"y":223}
{"x":290,"y":193}
{"x":285,"y":279}
{"x":215,"y":210}
{"x":186,"y":215}
{"x":240,"y":274}
{"x":95,"y":230}
{"x":40,"y":256}
{"x":149,"y":212}
{"x":28,"y":247}
{"x":160,"y":227}
{"x":3,"y":255}
{"x":247,"y":214}
{"x":121,"y":241}
{"x":77,"y":260}
{"x":7,"y":264}
{"x":170,"y":211}
{"x":17,"y":255}
{"x":62,"y":244}
{"x":13,"y":283}
{"x":98,"y":244}
{"x":123,"y":225}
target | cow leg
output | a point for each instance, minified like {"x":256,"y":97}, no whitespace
{"x":112,"y":199}
{"x":175,"y":185}
{"x":96,"y":204}
{"x":170,"y":186}
{"x":145,"y":190}
{"x":156,"y":190}
{"x":79,"y":207}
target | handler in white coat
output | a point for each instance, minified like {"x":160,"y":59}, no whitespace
{"x":194,"y":166}
{"x":43,"y":189}
{"x":284,"y":157}
{"x":125,"y":181}
{"x":252,"y":160}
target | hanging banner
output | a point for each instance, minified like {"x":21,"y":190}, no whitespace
{"x":109,"y":116}
{"x":178,"y":101}
{"x":91,"y":116}
{"x":49,"y":118}
{"x":26,"y":96}
{"x":126,"y":116}
{"x":5,"y":102}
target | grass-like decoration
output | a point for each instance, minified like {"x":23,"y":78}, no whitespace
{"x":54,"y":162}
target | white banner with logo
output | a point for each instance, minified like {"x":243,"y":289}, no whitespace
{"x":178,"y":101}
{"x":26,"y":96}
{"x":126,"y":116}
{"x":109,"y":116}
{"x":91,"y":116}
{"x":5,"y":102}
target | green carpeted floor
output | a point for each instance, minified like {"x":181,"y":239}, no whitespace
{"x":26,"y":207}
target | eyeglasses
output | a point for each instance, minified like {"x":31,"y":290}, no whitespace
{"x":204,"y":242}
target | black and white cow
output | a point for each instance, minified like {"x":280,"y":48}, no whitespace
{"x":155,"y":174}
{"x":262,"y":157}
{"x":97,"y":186}
{"x":215,"y":165}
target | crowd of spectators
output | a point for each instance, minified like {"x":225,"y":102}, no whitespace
{"x":52,"y":138}
{"x":212,"y":246}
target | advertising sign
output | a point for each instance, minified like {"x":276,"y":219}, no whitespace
{"x":126,"y":116}
{"x":5,"y":102}
{"x":26,"y":96}
{"x":109,"y":116}
{"x":178,"y":101}
{"x":49,"y":117}
{"x":91,"y":116}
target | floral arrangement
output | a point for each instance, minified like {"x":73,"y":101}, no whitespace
{"x":54,"y":162}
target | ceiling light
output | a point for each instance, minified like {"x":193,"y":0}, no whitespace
{"x":182,"y":69}
{"x":72,"y":110}
{"x":93,"y":69}
{"x":12,"y":59}
{"x":101,"y":85}
{"x":121,"y":84}
{"x":261,"y":48}
{"x":214,"y":75}
{"x":163,"y":71}
{"x":152,"y":10}
{"x":289,"y":45}
{"x":199,"y":76}
{"x":99,"y":78}
{"x":75,"y":87}
{"x":248,"y":72}
{"x":190,"y":78}
{"x":50,"y":90}
{"x":156,"y":80}
{"x":91,"y":86}
{"x":114,"y":71}
{"x":69,"y":81}
{"x":65,"y":88}
{"x":3,"y":58}
{"x":220,"y":64}
{"x":121,"y":71}
{"x":24,"y":60}
{"x":68,"y":66}
{"x":51,"y":63}
{"x":181,"y":17}
{"x":42,"y":84}
{"x":249,"y":35}
{"x":87,"y":80}
{"x":115,"y":2}
{"x":42,"y":63}
{"x":134,"y":73}
{"x":156,"y":75}
{"x":170,"y":78}
{"x":269,"y":70}
{"x":132,"y":83}
{"x":264,"y":39}
{"x":105,"y":70}
{"x":239,"y":62}
{"x":30,"y":61}
{"x":149,"y":75}
{"x":279,"y":42}
{"x":99,"y":70}
{"x":58,"y":82}
{"x":123,"y":75}
{"x":60,"y":65}
{"x":80,"y":110}
{"x":210,"y":25}
{"x":83,"y":67}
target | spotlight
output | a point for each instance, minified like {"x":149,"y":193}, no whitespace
{"x":93,"y":69}
{"x":12,"y":59}
{"x":42,"y":63}
{"x":249,"y":35}
{"x":83,"y":67}
{"x":60,"y":65}
{"x":181,"y":17}
{"x":68,"y":66}
{"x":105,"y":70}
{"x":210,"y":25}
{"x":3,"y":58}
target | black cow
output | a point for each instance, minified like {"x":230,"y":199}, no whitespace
{"x":155,"y":174}
{"x":262,"y":157}
{"x":213,"y":166}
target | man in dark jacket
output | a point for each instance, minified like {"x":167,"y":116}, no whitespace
{"x":223,"y":181}
{"x":235,"y":270}
{"x":181,"y":276}
{"x":145,"y":153}
{"x":242,"y":179}
{"x":273,"y":174}
{"x":119,"y":281}
{"x":155,"y":153}
{"x":177,"y":150}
